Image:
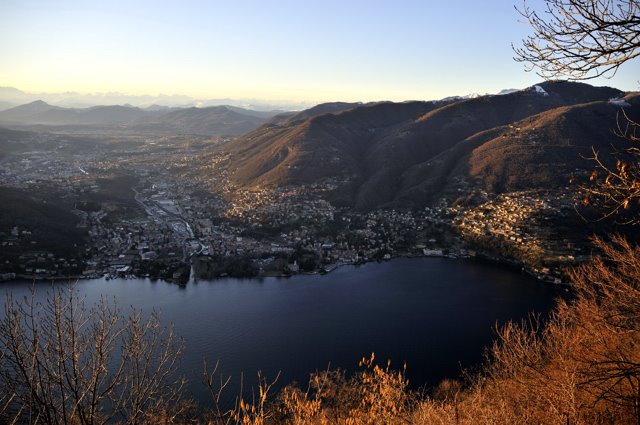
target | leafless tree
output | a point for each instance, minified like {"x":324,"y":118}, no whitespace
{"x":614,"y":185}
{"x":61,"y":362}
{"x":581,"y":39}
{"x":608,"y":310}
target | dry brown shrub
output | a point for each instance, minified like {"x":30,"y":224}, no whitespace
{"x":375,"y":395}
{"x":580,"y":367}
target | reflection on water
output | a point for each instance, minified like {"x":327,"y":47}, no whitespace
{"x":433,"y":313}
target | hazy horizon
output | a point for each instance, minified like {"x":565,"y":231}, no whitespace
{"x":276,"y":52}
{"x":13,"y":96}
{"x":73,"y":99}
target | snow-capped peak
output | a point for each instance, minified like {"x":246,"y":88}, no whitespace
{"x":465,"y":97}
{"x":506,"y":91}
{"x":540,"y":90}
{"x":619,"y":102}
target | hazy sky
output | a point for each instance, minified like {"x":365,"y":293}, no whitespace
{"x":316,"y":50}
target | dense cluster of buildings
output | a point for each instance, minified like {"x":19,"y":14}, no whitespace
{"x":173,"y":214}
{"x":517,"y":224}
{"x":34,"y":262}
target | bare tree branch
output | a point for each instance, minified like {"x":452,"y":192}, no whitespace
{"x":580,"y":39}
{"x":63,"y":363}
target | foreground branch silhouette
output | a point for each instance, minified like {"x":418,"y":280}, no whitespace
{"x":614,"y":186}
{"x":580,"y":39}
{"x":62,"y":362}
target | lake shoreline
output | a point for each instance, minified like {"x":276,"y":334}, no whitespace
{"x":249,"y":324}
{"x":482,"y":258}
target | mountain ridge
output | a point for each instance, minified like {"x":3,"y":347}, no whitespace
{"x":11,"y":97}
{"x":382,"y":149}
{"x":211,"y":120}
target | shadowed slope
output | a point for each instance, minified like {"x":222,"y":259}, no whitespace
{"x":383,"y":149}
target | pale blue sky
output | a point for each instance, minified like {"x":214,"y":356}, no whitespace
{"x":287,"y":50}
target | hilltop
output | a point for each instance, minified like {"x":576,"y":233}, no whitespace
{"x":406,"y":154}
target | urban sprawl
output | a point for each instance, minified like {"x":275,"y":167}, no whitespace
{"x":172,"y":220}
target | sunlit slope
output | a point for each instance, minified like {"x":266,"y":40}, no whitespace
{"x":397,"y":153}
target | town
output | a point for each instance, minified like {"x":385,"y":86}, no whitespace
{"x":144,"y":211}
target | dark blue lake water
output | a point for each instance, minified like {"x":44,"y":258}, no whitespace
{"x":435,"y":314}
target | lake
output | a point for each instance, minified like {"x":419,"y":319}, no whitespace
{"x":436,"y":314}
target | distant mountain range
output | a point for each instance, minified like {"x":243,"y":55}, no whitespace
{"x":11,"y":97}
{"x":212,"y":120}
{"x":411,"y":153}
{"x":385,"y":153}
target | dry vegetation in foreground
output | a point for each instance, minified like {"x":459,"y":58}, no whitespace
{"x":582,"y":366}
